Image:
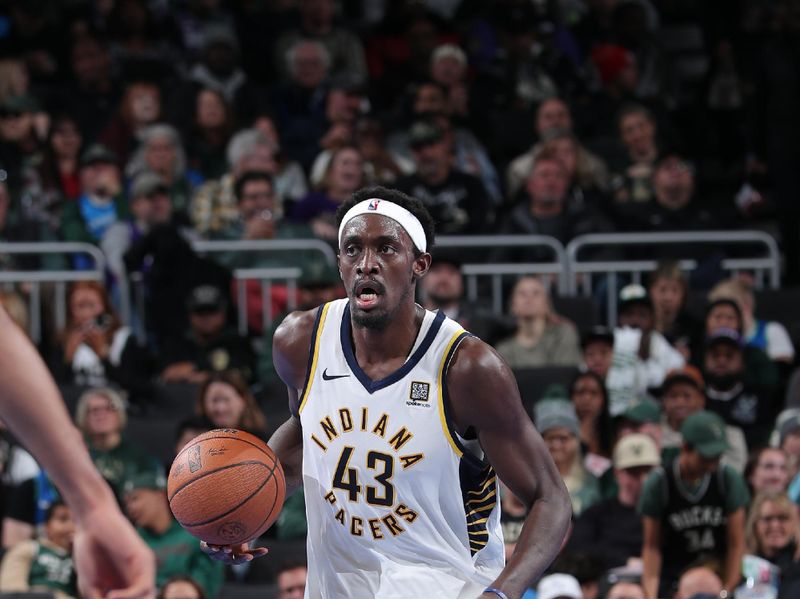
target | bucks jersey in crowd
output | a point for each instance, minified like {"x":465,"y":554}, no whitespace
{"x":398,"y":504}
{"x":693,"y":517}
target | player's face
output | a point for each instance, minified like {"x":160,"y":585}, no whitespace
{"x":223,"y":405}
{"x":60,"y":528}
{"x":376,"y":259}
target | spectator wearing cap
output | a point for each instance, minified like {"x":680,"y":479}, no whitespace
{"x":771,"y":533}
{"x":643,"y":416}
{"x":102,"y":201}
{"x":542,"y":337}
{"x":556,"y":421}
{"x":553,"y":118}
{"x":760,"y":371}
{"x":612,"y":529}
{"x":699,"y":583}
{"x":20,"y":143}
{"x":642,"y":357}
{"x":771,"y":336}
{"x":559,"y":586}
{"x":457,"y":201}
{"x":209,"y":345}
{"x":693,"y":510}
{"x":176,"y":551}
{"x":214,"y":206}
{"x":597,"y":345}
{"x":318,"y":22}
{"x":668,"y":287}
{"x":220,"y":68}
{"x":149,"y":206}
{"x":727,"y":391}
{"x":588,"y":394}
{"x":683,"y":394}
{"x":767,"y":471}
{"x":544,"y":209}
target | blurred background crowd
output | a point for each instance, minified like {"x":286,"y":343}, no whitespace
{"x":195,"y":151}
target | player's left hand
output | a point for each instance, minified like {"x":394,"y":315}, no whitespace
{"x":232,"y":554}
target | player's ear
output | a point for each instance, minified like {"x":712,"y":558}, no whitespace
{"x":422,"y":264}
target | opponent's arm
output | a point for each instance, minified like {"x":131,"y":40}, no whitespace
{"x":108,"y":552}
{"x":736,"y":549}
{"x":484,"y":395}
{"x":651,"y":556}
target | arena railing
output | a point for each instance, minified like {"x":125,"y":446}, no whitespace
{"x":765,"y":267}
{"x":266,"y":277}
{"x":265,"y":245}
{"x":34,"y":280}
{"x":498,"y":272}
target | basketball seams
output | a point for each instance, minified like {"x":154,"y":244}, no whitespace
{"x":269,"y":515}
{"x":220,"y":469}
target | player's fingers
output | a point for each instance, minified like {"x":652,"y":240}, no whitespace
{"x":259,"y":552}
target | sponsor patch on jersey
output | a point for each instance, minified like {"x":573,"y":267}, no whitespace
{"x":419,"y":395}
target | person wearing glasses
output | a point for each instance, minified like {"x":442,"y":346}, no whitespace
{"x":771,"y":533}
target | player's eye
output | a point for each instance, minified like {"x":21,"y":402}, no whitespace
{"x":350,"y":250}
{"x":387,"y":249}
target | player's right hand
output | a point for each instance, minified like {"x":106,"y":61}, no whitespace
{"x":232,"y":554}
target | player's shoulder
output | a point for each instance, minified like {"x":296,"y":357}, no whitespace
{"x":475,"y":358}
{"x":291,"y":342}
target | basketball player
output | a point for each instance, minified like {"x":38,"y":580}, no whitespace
{"x":111,"y":560}
{"x":401,"y":422}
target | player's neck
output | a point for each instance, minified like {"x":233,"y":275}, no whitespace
{"x":395,"y":341}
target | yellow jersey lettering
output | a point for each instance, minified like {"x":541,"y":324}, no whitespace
{"x":328,"y":428}
{"x":330,"y":497}
{"x":406,"y":513}
{"x":364,"y":415}
{"x":375,"y":528}
{"x":400,"y":438}
{"x":340,"y":516}
{"x":393,"y":526}
{"x":356,"y":526}
{"x":409,"y":460}
{"x":318,"y":442}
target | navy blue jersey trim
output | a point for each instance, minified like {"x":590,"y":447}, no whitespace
{"x":368,"y":384}
{"x":314,"y":333}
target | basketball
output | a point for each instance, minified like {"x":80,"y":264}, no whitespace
{"x":226,"y":487}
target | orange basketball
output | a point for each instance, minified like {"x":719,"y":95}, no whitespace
{"x":226,"y":487}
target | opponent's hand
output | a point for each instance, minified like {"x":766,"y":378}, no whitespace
{"x":111,"y":560}
{"x":232,"y":554}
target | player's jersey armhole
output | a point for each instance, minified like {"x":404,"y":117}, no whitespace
{"x":313,"y":355}
{"x":448,"y":428}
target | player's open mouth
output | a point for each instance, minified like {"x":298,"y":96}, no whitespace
{"x":367,"y":294}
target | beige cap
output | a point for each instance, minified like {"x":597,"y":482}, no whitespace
{"x":636,"y":450}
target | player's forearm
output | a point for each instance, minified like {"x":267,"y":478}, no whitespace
{"x":34,"y":410}
{"x":541,"y":539}
{"x":287,"y":443}
{"x":733,"y":566}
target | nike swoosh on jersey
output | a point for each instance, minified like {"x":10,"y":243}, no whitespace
{"x":331,"y":377}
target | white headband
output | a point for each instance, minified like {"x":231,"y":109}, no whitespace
{"x":403,"y":217}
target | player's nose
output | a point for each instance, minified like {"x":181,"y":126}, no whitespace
{"x":368,"y":262}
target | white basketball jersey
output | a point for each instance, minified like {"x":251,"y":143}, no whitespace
{"x":396,"y":506}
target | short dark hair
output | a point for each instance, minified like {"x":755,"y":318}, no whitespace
{"x":247,"y":177}
{"x":291,"y":563}
{"x":413,"y":205}
{"x":51,"y":509}
{"x":634,"y":108}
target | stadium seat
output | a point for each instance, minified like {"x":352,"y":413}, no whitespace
{"x":174,"y":399}
{"x":582,"y":311}
{"x":155,"y":434}
{"x":534,"y":381}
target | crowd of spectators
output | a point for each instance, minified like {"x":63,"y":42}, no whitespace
{"x":146,"y":126}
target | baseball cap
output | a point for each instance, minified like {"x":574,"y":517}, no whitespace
{"x":688,"y":374}
{"x":97,"y":154}
{"x":705,"y":431}
{"x":205,"y":298}
{"x":636,"y":450}
{"x":597,"y":333}
{"x":559,"y":585}
{"x":153,"y":479}
{"x":643,"y":411}
{"x":147,"y":183}
{"x":724,"y":335}
{"x":633,"y":294}
{"x":424,"y":133}
{"x":555,"y":413}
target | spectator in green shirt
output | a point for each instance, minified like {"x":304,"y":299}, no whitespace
{"x":693,"y":510}
{"x":177,"y":551}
